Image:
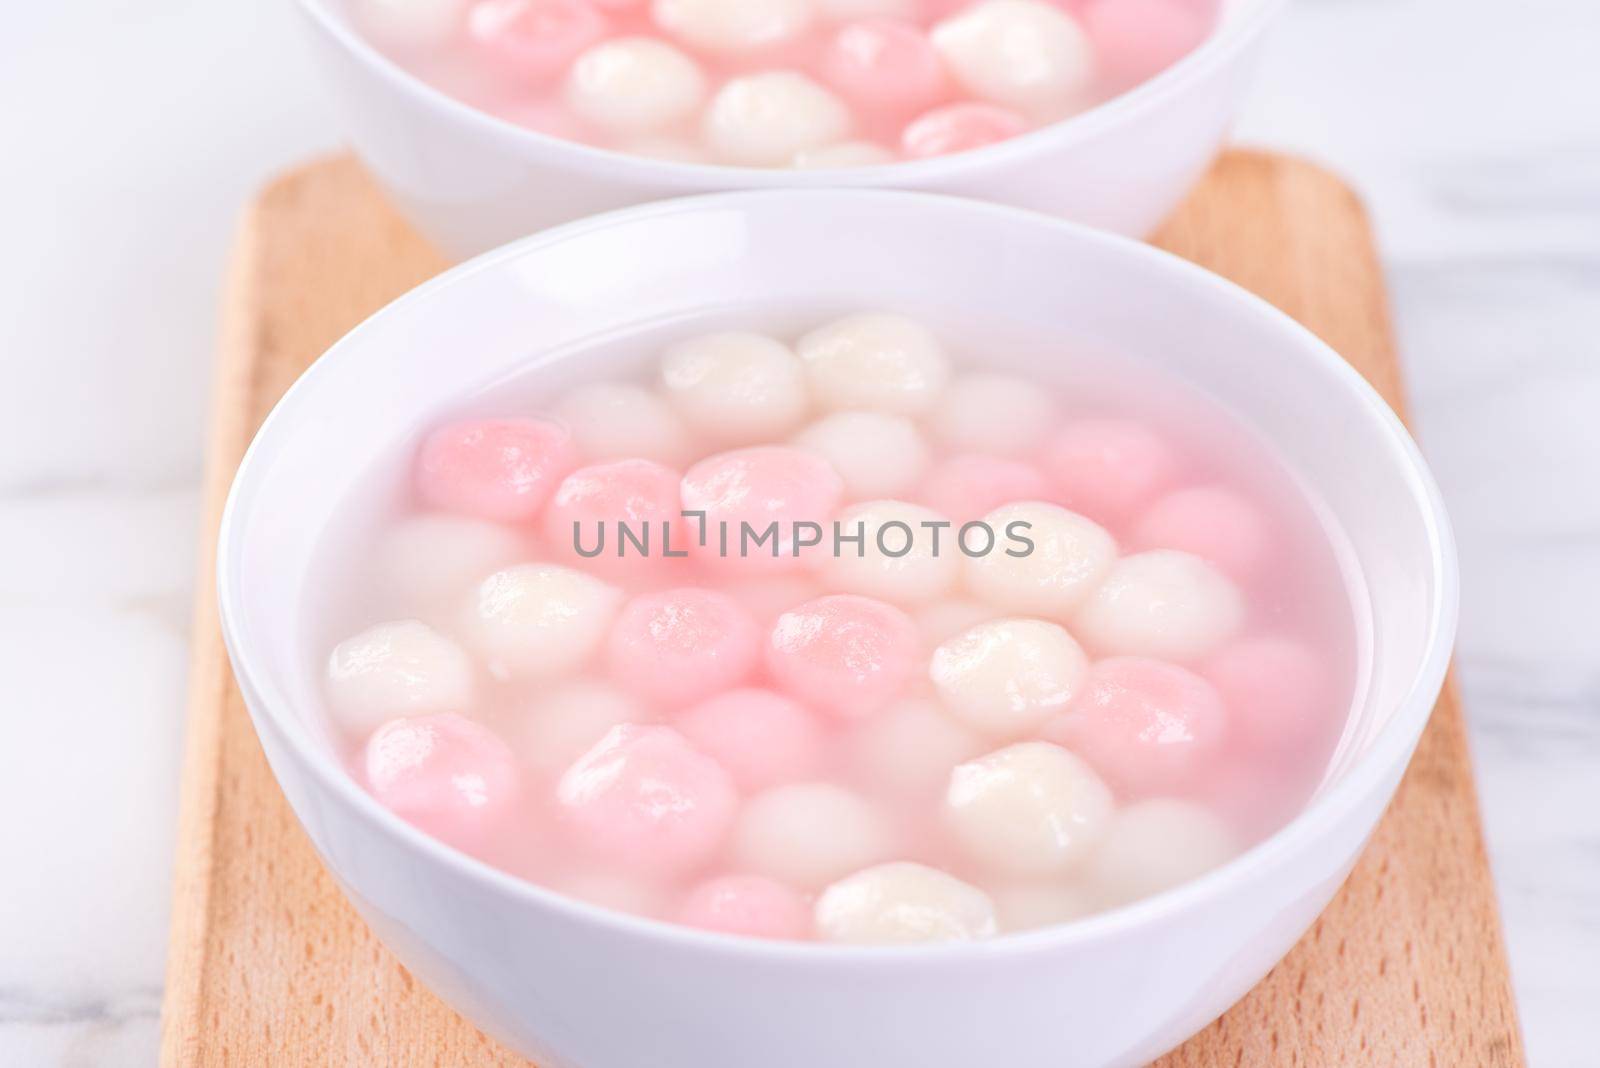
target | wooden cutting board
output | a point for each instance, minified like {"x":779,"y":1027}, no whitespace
{"x":269,"y":965}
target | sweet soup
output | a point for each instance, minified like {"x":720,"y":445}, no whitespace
{"x":785,"y":83}
{"x":835,"y":633}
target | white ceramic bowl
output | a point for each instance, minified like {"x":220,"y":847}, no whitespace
{"x":576,"y":987}
{"x":470,"y":181}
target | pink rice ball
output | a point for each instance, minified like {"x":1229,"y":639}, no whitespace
{"x":533,"y":41}
{"x":1213,"y":523}
{"x":960,"y":128}
{"x":970,"y":486}
{"x":1108,"y":469}
{"x":1138,"y":39}
{"x":644,"y":800}
{"x":1149,"y":728}
{"x":500,"y":469}
{"x":761,"y":486}
{"x":679,"y":646}
{"x":444,"y":774}
{"x":592,"y":504}
{"x":763,"y":738}
{"x":1278,"y":695}
{"x":843,"y":654}
{"x":749,"y":905}
{"x":884,"y":66}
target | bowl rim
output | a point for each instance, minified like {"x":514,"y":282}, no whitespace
{"x":1233,"y":33}
{"x":1392,"y":744}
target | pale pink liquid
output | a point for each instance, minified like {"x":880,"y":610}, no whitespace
{"x":1300,"y":591}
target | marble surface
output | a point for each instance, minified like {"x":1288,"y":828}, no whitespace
{"x":135,"y":132}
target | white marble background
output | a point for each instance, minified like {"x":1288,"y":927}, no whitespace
{"x":131,"y":132}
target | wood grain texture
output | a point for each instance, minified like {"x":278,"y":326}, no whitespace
{"x":268,"y":965}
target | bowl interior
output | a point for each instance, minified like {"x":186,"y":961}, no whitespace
{"x":548,"y":299}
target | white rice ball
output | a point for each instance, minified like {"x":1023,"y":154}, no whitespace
{"x":735,"y":387}
{"x":732,"y":25}
{"x":1166,"y":604}
{"x":613,"y":421}
{"x":1007,"y":677}
{"x":767,"y":119}
{"x":539,"y":620}
{"x":910,"y":748}
{"x":403,"y":668}
{"x":1028,"y":906}
{"x":897,"y":561}
{"x":903,"y":903}
{"x":850,"y":10}
{"x":1069,"y":556}
{"x":1031,"y":809}
{"x":410,"y":25}
{"x":635,"y":84}
{"x":997,"y":415}
{"x":1156,"y":845}
{"x":427,"y":561}
{"x":1024,"y":54}
{"x":877,"y":455}
{"x":809,"y":834}
{"x":876,"y":361}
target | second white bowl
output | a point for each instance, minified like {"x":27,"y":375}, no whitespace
{"x":470,"y":181}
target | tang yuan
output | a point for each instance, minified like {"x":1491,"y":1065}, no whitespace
{"x":1154,"y":846}
{"x":876,"y":455}
{"x":1029,"y":809}
{"x":1149,"y":727}
{"x":531,"y":43}
{"x":906,"y":554}
{"x":994,"y":415}
{"x":748,"y":905}
{"x":808,"y":834}
{"x":847,"y":654}
{"x":427,"y":560}
{"x":1005,"y":678}
{"x":446,"y":774}
{"x":1026,"y":54}
{"x":396,"y":669}
{"x":785,"y":83}
{"x":622,"y":421}
{"x":1162,"y":603}
{"x":644,"y":799}
{"x":769,"y":119}
{"x":908,"y":644}
{"x":968,"y":486}
{"x":683,"y":645}
{"x":904,"y":902}
{"x":763,"y":738}
{"x":735,"y":387}
{"x":886,"y":67}
{"x":876,"y":361}
{"x":612,"y":514}
{"x":635,"y":85}
{"x":960,"y":128}
{"x":1053,"y":559}
{"x":502,"y":469}
{"x":1213,"y":523}
{"x":539,"y":620}
{"x":1109,"y":468}
{"x":748,"y":506}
